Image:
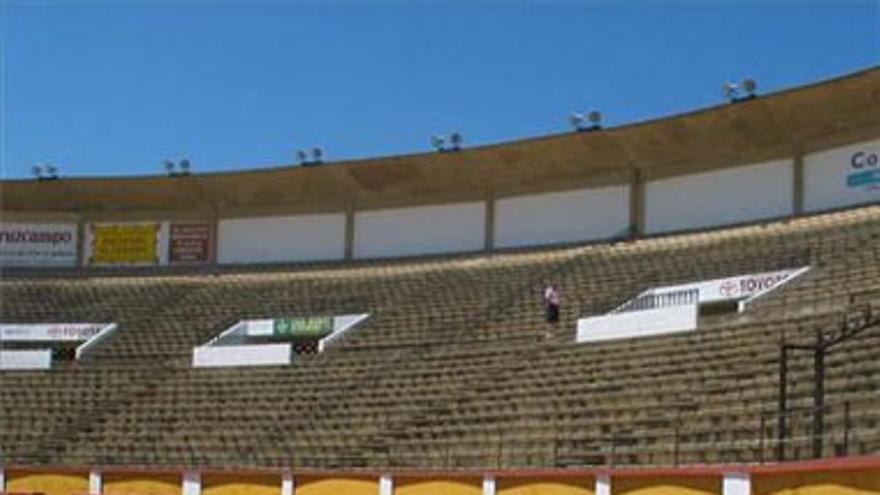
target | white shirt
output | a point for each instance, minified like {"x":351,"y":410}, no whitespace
{"x":551,"y":296}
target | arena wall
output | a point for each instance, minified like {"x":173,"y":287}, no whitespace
{"x":569,"y":216}
{"x":47,"y":483}
{"x":829,"y":176}
{"x":729,"y":196}
{"x":421,"y":230}
{"x":281,"y":239}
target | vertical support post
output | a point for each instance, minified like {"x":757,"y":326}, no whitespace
{"x":603,"y":484}
{"x":489,"y":225}
{"x":819,"y":397}
{"x":675,"y":448}
{"x":637,"y":203}
{"x":2,"y":479}
{"x":783,"y":407}
{"x":80,"y":243}
{"x":287,"y":483}
{"x":96,"y":482}
{"x":386,"y":485}
{"x":846,"y":427}
{"x":192,"y":483}
{"x":349,"y":232}
{"x":488,"y":485}
{"x":737,"y":484}
{"x":761,"y":438}
{"x":797,"y":197}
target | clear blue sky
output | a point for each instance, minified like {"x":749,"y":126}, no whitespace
{"x":110,"y":88}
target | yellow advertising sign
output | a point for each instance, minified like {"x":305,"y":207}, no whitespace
{"x":125,"y":243}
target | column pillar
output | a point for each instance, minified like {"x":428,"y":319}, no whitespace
{"x":192,"y":483}
{"x":489,"y":235}
{"x":603,"y":484}
{"x":349,"y":232}
{"x":797,"y":207}
{"x":386,"y":485}
{"x":737,"y":484}
{"x":287,"y":484}
{"x":488,"y":485}
{"x":96,"y":482}
{"x":637,"y":203}
{"x":2,"y":479}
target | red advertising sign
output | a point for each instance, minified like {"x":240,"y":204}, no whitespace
{"x":190,"y":242}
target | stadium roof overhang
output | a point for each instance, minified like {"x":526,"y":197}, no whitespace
{"x":783,"y":124}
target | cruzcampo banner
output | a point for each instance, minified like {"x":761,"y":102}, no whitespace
{"x":302,"y":327}
{"x":125,"y":243}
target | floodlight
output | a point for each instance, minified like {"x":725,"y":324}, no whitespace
{"x":595,"y":117}
{"x":169,"y":166}
{"x":184,"y":165}
{"x":437,"y":141}
{"x":317,"y":153}
{"x":731,"y":90}
{"x":51,"y":170}
{"x":302,"y":156}
{"x":456,"y":139}
{"x":750,"y":86}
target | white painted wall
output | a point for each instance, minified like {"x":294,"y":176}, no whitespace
{"x":723,"y":197}
{"x":643,"y":323}
{"x":843,"y":176}
{"x":281,"y":239}
{"x":241,"y":355}
{"x":421,"y":230}
{"x":580,"y":215}
{"x":26,"y":359}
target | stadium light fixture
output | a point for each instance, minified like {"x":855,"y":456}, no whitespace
{"x":169,"y":166}
{"x":302,"y":157}
{"x":744,"y":90}
{"x":577,"y":121}
{"x":595,"y":118}
{"x":51,"y":171}
{"x":37,"y":170}
{"x":456,"y":139}
{"x":184,"y":166}
{"x":317,"y":155}
{"x":438,"y":142}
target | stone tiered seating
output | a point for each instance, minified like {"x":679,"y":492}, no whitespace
{"x":451,"y":370}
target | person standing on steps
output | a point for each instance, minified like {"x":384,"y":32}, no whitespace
{"x":552,"y":299}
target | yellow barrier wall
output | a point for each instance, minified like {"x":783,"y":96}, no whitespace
{"x":698,"y":485}
{"x":542,"y":486}
{"x":424,"y":486}
{"x":861,"y":482}
{"x":48,"y":483}
{"x":307,"y":485}
{"x":230,"y":484}
{"x":142,"y":484}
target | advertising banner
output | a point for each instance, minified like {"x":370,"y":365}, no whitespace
{"x":125,"y":244}
{"x":731,"y":288}
{"x":190,"y":243}
{"x":302,"y":327}
{"x":38,"y":244}
{"x":49,"y":332}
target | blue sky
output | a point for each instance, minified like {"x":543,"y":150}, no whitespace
{"x":115,"y":88}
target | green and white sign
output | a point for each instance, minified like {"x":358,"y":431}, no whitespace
{"x":295,"y":327}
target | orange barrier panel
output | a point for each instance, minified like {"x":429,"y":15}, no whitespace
{"x":665,"y":485}
{"x":428,"y":486}
{"x":313,"y":485}
{"x":243,"y":484}
{"x":856,"y":482}
{"x":46,"y":482}
{"x":142,"y":483}
{"x":545,"y":486}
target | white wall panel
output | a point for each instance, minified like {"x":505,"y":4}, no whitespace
{"x":280,"y":239}
{"x":420,"y":230}
{"x":723,"y":197}
{"x":569,"y":216}
{"x":842,"y":176}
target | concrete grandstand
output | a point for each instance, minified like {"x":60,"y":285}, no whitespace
{"x":449,"y":386}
